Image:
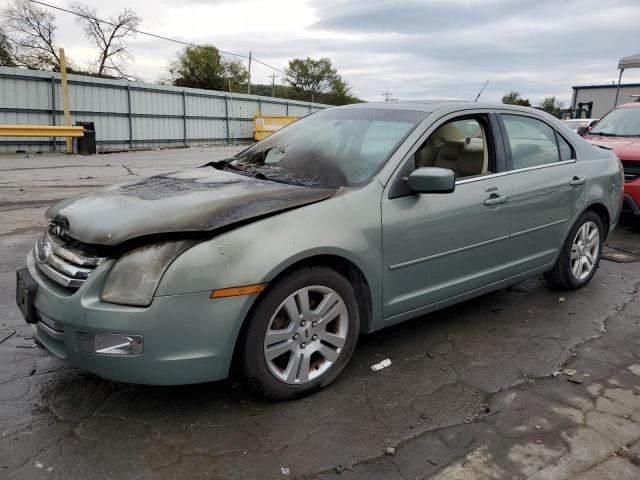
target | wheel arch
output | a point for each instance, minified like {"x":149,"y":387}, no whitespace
{"x":599,"y":209}
{"x":603,"y":212}
{"x":348,"y":269}
{"x":339,"y":263}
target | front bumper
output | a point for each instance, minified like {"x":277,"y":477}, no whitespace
{"x":188,"y":338}
{"x":632,"y":197}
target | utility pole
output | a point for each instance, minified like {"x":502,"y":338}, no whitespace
{"x":273,"y":84}
{"x":249,"y":83}
{"x":65,"y":96}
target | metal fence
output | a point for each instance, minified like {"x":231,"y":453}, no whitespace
{"x":132,"y":115}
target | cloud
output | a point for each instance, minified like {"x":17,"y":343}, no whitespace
{"x":415,"y":49}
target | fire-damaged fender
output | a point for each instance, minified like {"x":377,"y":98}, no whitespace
{"x":259,"y":251}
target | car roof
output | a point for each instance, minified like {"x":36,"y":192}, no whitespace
{"x":630,"y":105}
{"x":429,"y":106}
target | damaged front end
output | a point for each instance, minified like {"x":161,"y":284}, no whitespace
{"x":201,"y":200}
{"x":134,"y":278}
{"x":146,"y":224}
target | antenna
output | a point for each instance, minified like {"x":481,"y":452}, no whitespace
{"x":481,"y":90}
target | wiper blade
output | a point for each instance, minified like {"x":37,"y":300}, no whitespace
{"x":219,"y":164}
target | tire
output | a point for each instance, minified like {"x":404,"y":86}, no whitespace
{"x":284,"y":356}
{"x":563,"y":275}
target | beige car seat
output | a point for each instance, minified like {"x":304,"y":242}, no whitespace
{"x":448,"y":154}
{"x":448,"y":148}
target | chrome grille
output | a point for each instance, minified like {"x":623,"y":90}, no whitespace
{"x":631,"y":170}
{"x":62,"y":264}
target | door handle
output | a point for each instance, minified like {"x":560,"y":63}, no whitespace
{"x":577,"y":181}
{"x":496,"y":199}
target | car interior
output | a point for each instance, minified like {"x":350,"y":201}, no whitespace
{"x":460,"y":145}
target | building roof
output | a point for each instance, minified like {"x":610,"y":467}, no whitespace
{"x":608,"y":85}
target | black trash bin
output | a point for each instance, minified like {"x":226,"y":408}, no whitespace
{"x":86,"y":145}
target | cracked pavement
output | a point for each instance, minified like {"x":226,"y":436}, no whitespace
{"x":525,"y":382}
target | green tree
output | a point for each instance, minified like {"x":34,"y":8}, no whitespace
{"x":236,"y":75}
{"x":204,"y":67}
{"x":514,"y":98}
{"x":339,"y":93}
{"x":309,"y":77}
{"x":6,"y":58}
{"x":552,"y":106}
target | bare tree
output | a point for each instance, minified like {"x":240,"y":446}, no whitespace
{"x":109,"y":37}
{"x":31,"y":35}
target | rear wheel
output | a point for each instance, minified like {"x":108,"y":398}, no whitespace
{"x":580,"y":255}
{"x":302,"y":333}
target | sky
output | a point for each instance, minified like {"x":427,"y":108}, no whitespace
{"x":425,"y":49}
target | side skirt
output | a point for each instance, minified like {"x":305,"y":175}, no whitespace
{"x":386,"y":322}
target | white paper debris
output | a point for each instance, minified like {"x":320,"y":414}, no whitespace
{"x":379,"y":366}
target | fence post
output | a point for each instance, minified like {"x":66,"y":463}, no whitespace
{"x":184,"y":116}
{"x":309,"y":108}
{"x":129,"y":115}
{"x":259,"y":106}
{"x":287,"y":108}
{"x":53,"y":110}
{"x":226,"y":115}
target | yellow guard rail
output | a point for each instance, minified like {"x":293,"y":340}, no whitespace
{"x":40,"y":131}
{"x":265,"y":125}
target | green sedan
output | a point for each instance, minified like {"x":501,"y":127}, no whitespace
{"x":345,"y":222}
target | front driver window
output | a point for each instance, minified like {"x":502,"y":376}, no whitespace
{"x":459,"y":145}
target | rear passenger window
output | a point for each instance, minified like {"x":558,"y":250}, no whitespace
{"x":532,"y":142}
{"x":566,"y":152}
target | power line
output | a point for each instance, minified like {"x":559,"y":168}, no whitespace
{"x":161,"y":37}
{"x":267,"y":65}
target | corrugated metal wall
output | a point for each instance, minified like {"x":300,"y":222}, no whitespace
{"x":132,"y":115}
{"x":603,"y":96}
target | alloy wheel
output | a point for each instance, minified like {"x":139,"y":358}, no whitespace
{"x":306,"y":334}
{"x":584,"y":251}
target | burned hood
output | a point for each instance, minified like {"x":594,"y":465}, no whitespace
{"x":198,"y":200}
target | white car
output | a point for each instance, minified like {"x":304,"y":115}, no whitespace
{"x":575,"y":123}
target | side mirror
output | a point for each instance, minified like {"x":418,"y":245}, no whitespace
{"x":431,"y":180}
{"x":582,"y":130}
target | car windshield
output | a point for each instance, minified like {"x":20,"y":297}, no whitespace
{"x":621,"y":122}
{"x":332,"y":148}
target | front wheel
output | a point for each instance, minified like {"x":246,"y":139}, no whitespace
{"x":580,"y":255}
{"x":301,"y":333}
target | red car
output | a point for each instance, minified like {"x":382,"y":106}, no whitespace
{"x":620,"y":130}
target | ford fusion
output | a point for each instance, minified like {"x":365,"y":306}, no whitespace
{"x":345,"y":222}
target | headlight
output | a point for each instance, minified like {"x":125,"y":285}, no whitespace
{"x":135,"y":276}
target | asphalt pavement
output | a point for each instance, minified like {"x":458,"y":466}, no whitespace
{"x":525,"y":382}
